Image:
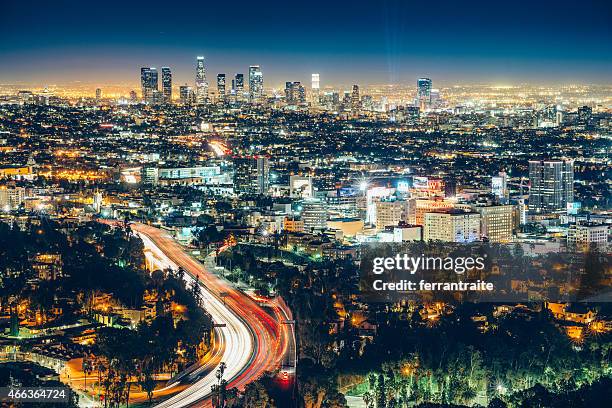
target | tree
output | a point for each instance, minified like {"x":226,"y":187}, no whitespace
{"x":256,"y":396}
{"x":381,"y":392}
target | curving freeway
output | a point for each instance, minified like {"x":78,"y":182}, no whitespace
{"x":253,"y":341}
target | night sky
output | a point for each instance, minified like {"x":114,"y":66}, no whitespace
{"x":385,"y":41}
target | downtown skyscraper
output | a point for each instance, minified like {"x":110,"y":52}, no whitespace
{"x":423,"y":99}
{"x":201,"y":86}
{"x":148,"y":83}
{"x":315,"y":88}
{"x":167,"y":84}
{"x":255,"y":83}
{"x":355,"y":99}
{"x":294,"y":93}
{"x":238,"y":86}
{"x":221,"y":86}
{"x":551,"y":185}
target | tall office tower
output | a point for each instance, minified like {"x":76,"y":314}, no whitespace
{"x":355,"y":100}
{"x":185,"y":94}
{"x":499,"y":187}
{"x":148,"y":82}
{"x":255,"y":83}
{"x":423,"y":93}
{"x":552,"y":185}
{"x":314,"y":215}
{"x":221,"y":86}
{"x":239,"y":86}
{"x":294,"y":93}
{"x":98,"y":94}
{"x":584,"y":114}
{"x":496,"y":222}
{"x":167,"y":84}
{"x":251,"y":174}
{"x":315,"y":89}
{"x":201,"y":91}
{"x":133,"y":96}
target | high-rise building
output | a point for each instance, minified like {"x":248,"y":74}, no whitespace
{"x":496,"y":222}
{"x":552,"y":185}
{"x":452,"y":226}
{"x":314,"y":214}
{"x":499,"y":187}
{"x":133,"y":96}
{"x":98,"y":94}
{"x":294,"y":93}
{"x":315,"y":85}
{"x":221,"y":86}
{"x":167,"y":84}
{"x":424,"y":93}
{"x":148,"y":82}
{"x":238,"y":87}
{"x":315,"y":88}
{"x":255,"y":83}
{"x":584,"y":114}
{"x":251,"y":174}
{"x":185,"y":94}
{"x":201,"y":86}
{"x":355,"y":99}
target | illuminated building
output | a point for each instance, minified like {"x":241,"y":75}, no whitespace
{"x":206,"y":172}
{"x":315,"y":88}
{"x":314,"y":214}
{"x":585,"y":234}
{"x":552,"y":185}
{"x":424,"y":93}
{"x":300,"y":187}
{"x":452,"y":226}
{"x":584,"y":114}
{"x":349,"y":226}
{"x":185,"y":94}
{"x":418,"y":207}
{"x":390,"y":213}
{"x":496,"y":222}
{"x":293,"y":224}
{"x":48,"y":266}
{"x":16,"y":172}
{"x":355,"y":100}
{"x":251,"y":174}
{"x":294,"y":93}
{"x":407,"y":233}
{"x":98,"y":94}
{"x":499,"y":187}
{"x":255,"y":83}
{"x":149,"y":175}
{"x":11,"y":197}
{"x":166,"y":84}
{"x":201,"y":86}
{"x":238,"y":86}
{"x":148,"y":83}
{"x":221,"y":86}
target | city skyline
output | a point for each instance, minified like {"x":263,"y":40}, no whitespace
{"x":287,"y":205}
{"x":387,"y":43}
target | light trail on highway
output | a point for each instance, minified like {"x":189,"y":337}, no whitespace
{"x":254,"y":341}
